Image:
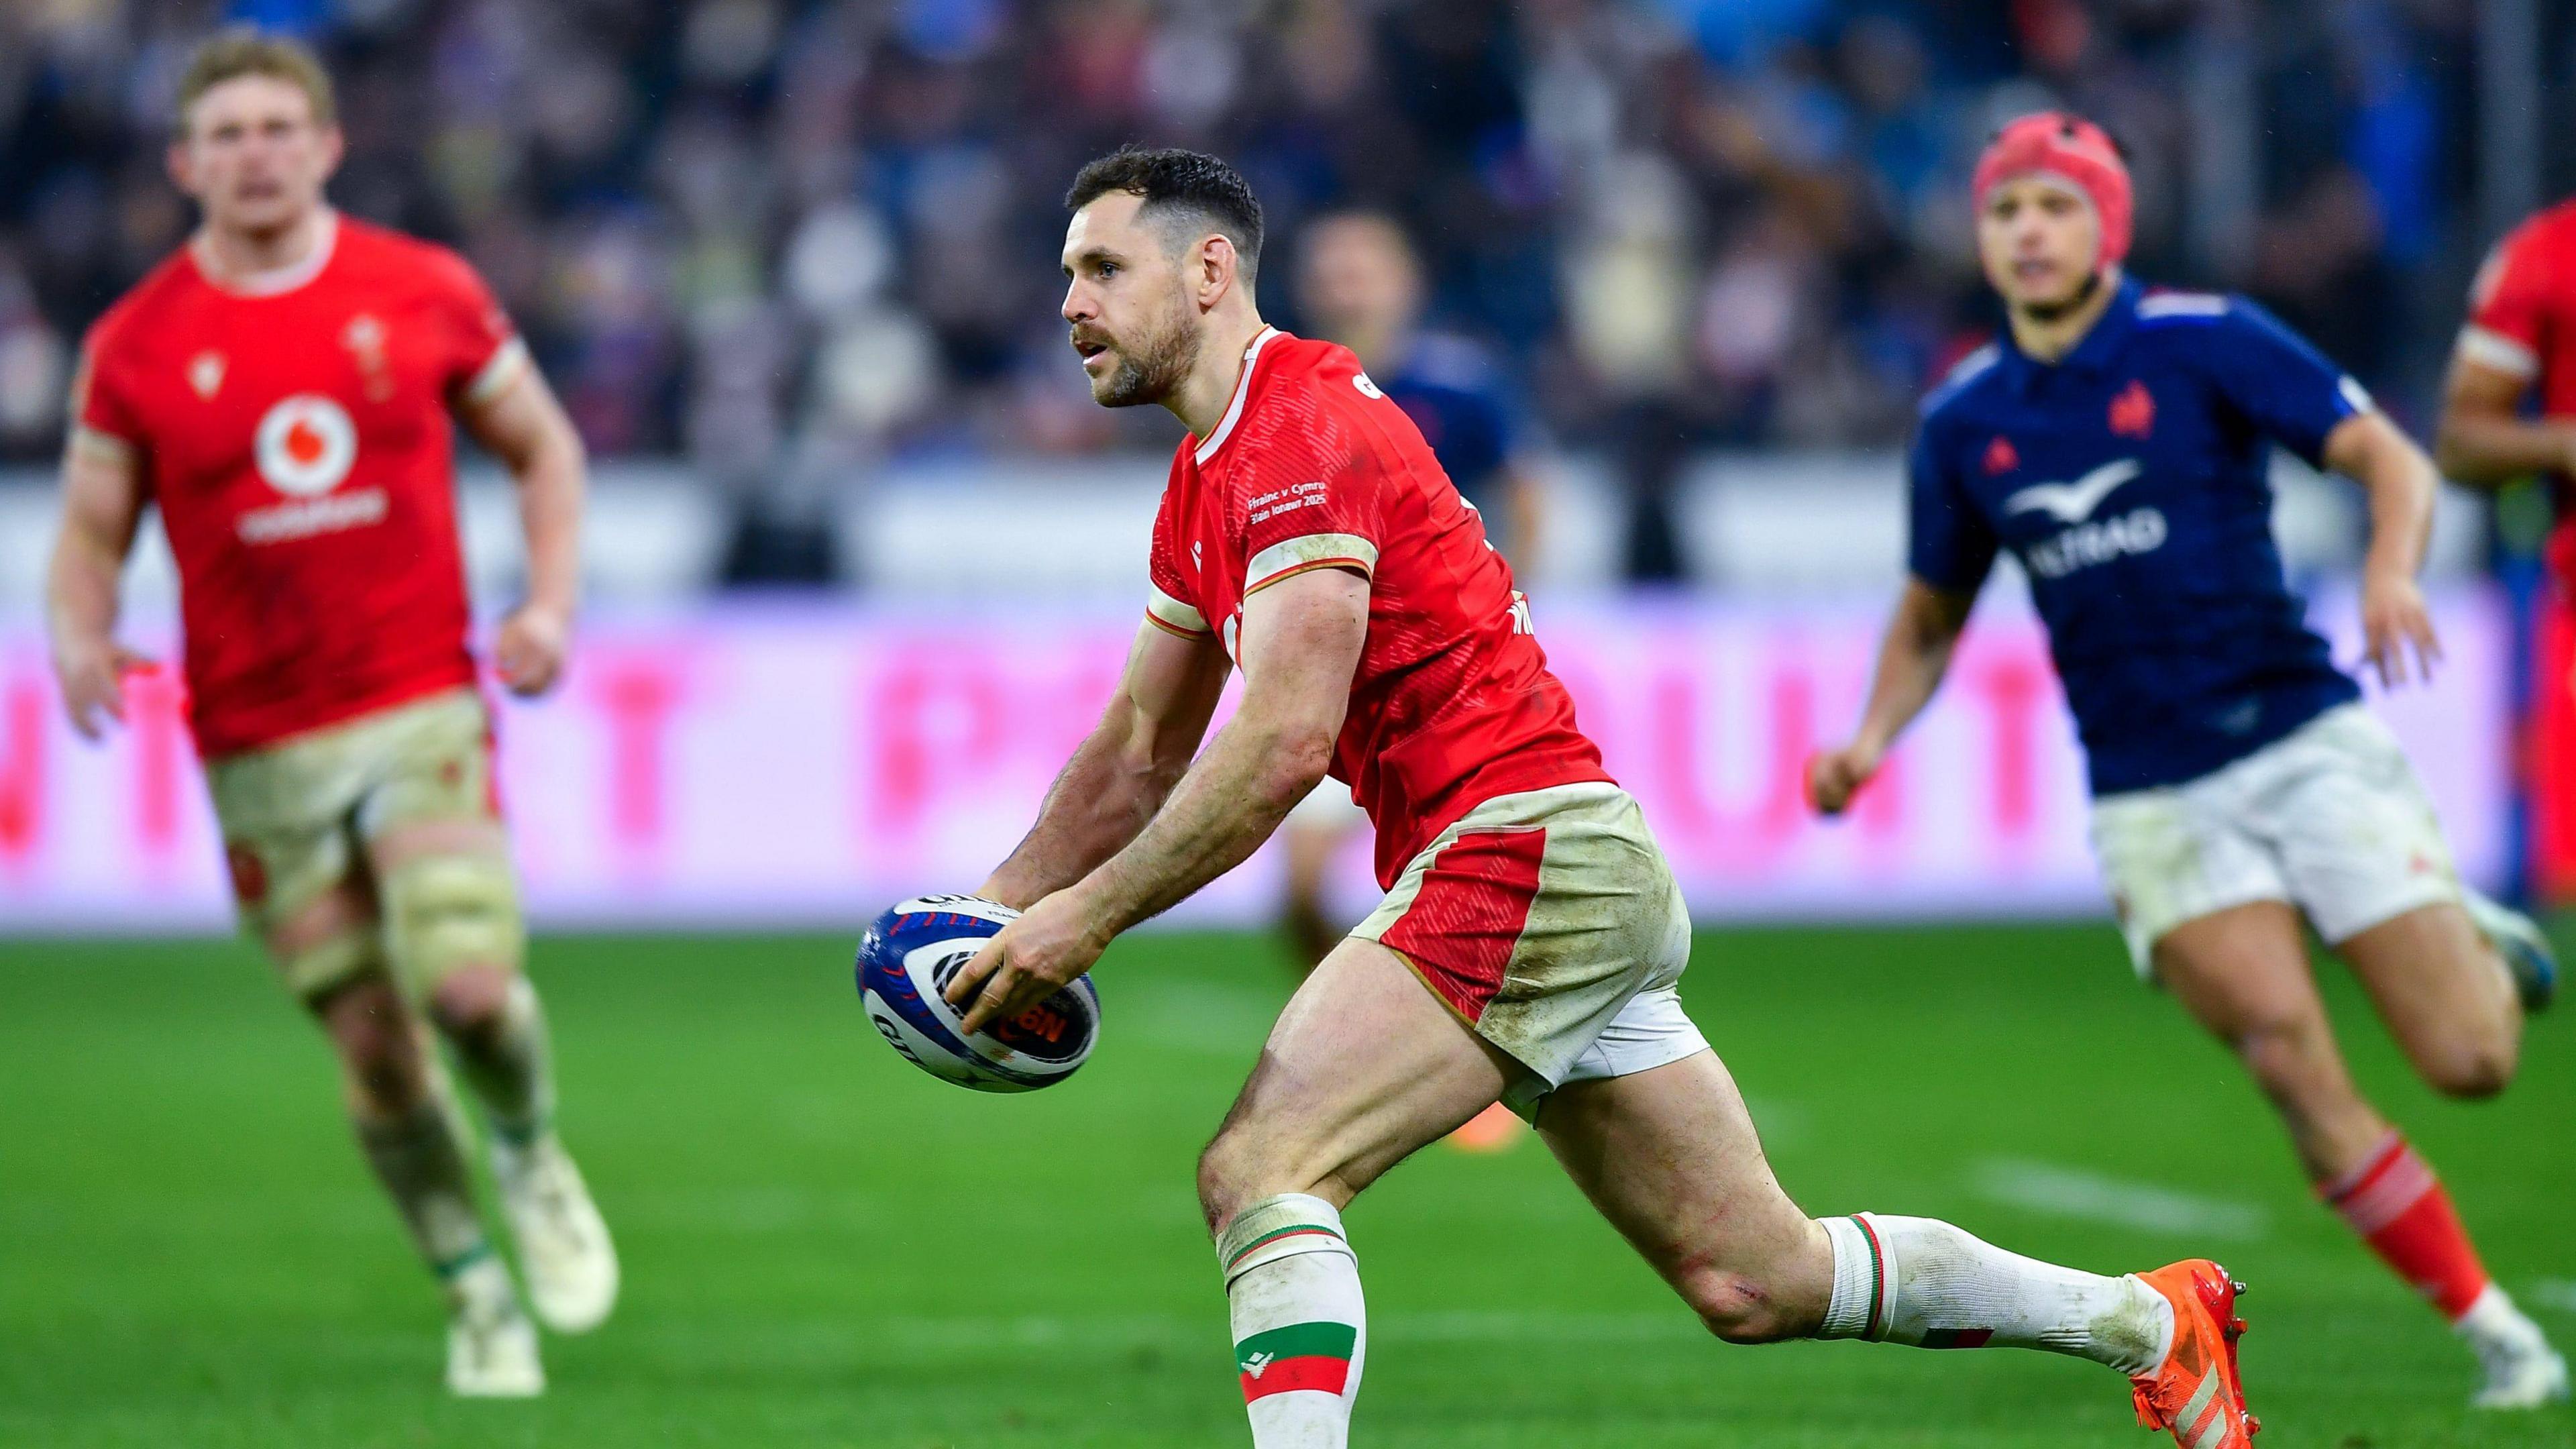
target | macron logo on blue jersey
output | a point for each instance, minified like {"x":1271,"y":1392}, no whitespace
{"x":2074,"y":502}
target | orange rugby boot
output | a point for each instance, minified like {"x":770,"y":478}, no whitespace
{"x":1496,"y":1129}
{"x":2195,"y":1392}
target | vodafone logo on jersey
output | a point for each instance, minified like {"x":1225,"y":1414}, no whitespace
{"x":305,"y":445}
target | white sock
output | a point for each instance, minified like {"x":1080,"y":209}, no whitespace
{"x":1922,"y":1282}
{"x":1292,"y":1288}
{"x":2493,"y":1322}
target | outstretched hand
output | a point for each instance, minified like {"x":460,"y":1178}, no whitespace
{"x":1834,"y":776}
{"x":2393,"y":619}
{"x":1032,"y":958}
{"x":93,"y":684}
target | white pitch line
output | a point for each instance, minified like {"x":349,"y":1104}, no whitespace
{"x":2558,"y":1293}
{"x":2072,"y":1192}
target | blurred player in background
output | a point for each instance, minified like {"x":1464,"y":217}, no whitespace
{"x":2118,"y":442}
{"x":1360,"y":284}
{"x":1532,"y":937}
{"x":282,"y":389}
{"x":2520,"y":342}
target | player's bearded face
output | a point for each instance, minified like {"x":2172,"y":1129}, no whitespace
{"x":1154,"y":350}
{"x":2039,"y":242}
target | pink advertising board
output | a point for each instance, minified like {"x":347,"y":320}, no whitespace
{"x":771,"y":766}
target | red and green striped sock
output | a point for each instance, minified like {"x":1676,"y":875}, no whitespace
{"x":1292,"y":1288}
{"x":1299,"y":1356}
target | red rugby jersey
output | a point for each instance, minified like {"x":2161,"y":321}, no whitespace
{"x":1311,"y":467}
{"x":2522,"y":321}
{"x":294,"y":432}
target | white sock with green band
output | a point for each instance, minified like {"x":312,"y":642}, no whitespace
{"x":1300,"y":1327}
{"x":1923,"y":1282}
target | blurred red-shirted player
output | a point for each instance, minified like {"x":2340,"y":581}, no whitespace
{"x":2520,"y":340}
{"x":282,"y":388}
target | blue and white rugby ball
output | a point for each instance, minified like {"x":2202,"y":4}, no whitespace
{"x":906,"y":960}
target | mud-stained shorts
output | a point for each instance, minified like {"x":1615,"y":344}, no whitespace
{"x":308,"y":813}
{"x":2329,"y":819}
{"x":1550,"y":922}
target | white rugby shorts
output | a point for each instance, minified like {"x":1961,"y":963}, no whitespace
{"x":1549,"y":921}
{"x":2329,"y":818}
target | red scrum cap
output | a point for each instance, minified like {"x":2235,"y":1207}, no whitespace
{"x":2072,"y":150}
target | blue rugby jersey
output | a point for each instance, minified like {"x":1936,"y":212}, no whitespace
{"x":2131,"y":479}
{"x":1457,"y":396}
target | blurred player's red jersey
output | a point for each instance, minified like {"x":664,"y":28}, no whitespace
{"x":295,"y":434}
{"x":1312,"y":467}
{"x":2522,"y":321}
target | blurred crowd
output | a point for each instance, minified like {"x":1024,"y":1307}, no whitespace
{"x":787,"y":239}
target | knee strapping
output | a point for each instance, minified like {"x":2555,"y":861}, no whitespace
{"x":447,"y":911}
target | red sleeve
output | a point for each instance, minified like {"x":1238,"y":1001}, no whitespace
{"x":484,"y":353}
{"x":1311,"y":504}
{"x":1171,"y":602}
{"x":2509,"y":306}
{"x":103,"y":415}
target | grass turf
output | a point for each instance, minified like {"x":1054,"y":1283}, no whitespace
{"x":824,"y":1247}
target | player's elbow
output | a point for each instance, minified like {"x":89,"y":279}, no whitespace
{"x":1296,"y":761}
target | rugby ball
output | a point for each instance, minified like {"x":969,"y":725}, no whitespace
{"x":906,"y":960}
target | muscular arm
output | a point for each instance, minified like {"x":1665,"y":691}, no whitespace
{"x":102,"y":505}
{"x":1912,"y":657}
{"x":1122,"y":772}
{"x":2484,"y":442}
{"x":2400,"y":481}
{"x":1300,"y":642}
{"x":527,"y":430}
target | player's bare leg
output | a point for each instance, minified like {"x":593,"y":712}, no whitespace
{"x":454,"y":935}
{"x":1671,"y":1158}
{"x":1363,"y":1067}
{"x":1312,"y":835}
{"x":2445,"y":995}
{"x":397,"y":1105}
{"x":2244,"y":974}
{"x":2448,"y":993}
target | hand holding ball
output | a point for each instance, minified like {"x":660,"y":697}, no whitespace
{"x":906,"y":960}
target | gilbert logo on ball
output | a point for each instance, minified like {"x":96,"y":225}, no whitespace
{"x":305,"y":445}
{"x":905,"y":962}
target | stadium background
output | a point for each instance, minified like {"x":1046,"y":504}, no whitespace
{"x":862,"y":551}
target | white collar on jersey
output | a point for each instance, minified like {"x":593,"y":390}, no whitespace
{"x":1234,"y":405}
{"x":277,"y":281}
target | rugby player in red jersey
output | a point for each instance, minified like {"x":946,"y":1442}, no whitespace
{"x":1532,"y":935}
{"x":2520,"y":342}
{"x":282,"y":389}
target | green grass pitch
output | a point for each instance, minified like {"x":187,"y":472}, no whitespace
{"x":825,"y":1247}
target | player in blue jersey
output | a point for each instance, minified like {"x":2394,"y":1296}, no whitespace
{"x":2117,"y":442}
{"x":1359,"y":283}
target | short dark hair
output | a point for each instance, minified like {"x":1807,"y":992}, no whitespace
{"x":1184,"y":185}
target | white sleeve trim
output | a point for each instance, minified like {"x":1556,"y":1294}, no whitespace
{"x":495,"y":377}
{"x":1315,"y":550}
{"x":102,"y":445}
{"x":2489,"y":348}
{"x":1171,"y":613}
